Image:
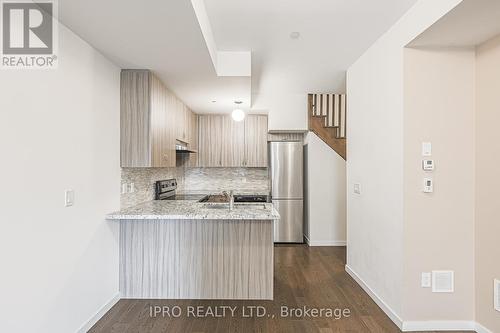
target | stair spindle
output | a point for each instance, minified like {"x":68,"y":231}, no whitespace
{"x":342,"y":116}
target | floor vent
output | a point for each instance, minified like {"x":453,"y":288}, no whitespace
{"x":442,"y":282}
{"x":496,"y":292}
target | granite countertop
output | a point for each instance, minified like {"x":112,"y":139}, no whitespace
{"x":193,"y":210}
{"x":235,"y":192}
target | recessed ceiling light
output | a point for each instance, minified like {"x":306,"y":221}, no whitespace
{"x":238,"y":114}
{"x":294,"y":35}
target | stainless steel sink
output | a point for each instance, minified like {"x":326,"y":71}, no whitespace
{"x":237,"y":206}
{"x":216,"y":205}
{"x":214,"y":198}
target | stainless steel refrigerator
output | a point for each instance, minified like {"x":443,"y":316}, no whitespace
{"x":285,"y":174}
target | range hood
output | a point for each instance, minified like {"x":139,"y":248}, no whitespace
{"x":182,"y":148}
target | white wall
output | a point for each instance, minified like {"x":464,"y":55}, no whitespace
{"x":286,"y":112}
{"x":59,"y":129}
{"x":375,"y":157}
{"x":439,"y":226}
{"x":325,"y":194}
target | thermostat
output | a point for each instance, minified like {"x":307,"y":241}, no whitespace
{"x":428,"y":165}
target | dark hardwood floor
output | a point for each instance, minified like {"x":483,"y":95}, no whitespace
{"x":304,"y":276}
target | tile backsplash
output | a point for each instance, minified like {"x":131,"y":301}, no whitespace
{"x":193,"y":180}
{"x":144,"y":179}
{"x":210,"y":180}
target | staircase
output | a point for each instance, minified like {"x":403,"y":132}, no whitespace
{"x":327,"y":119}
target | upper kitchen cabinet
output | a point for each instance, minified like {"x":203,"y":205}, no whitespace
{"x":181,"y":115}
{"x":210,"y":140}
{"x":224,"y":142}
{"x":255,"y":141}
{"x":192,"y":138}
{"x":151,"y":120}
{"x":233,"y":142}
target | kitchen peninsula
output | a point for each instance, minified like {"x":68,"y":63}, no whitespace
{"x":193,"y":250}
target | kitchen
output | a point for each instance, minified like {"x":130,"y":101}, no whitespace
{"x":129,"y":108}
{"x":192,"y":186}
{"x":249,"y":166}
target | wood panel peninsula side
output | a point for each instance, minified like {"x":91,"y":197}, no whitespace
{"x":192,"y":250}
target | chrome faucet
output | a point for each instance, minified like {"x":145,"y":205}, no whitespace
{"x":230,"y":198}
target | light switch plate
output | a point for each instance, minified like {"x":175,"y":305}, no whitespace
{"x":69,"y":198}
{"x":426,"y":280}
{"x":357,"y":188}
{"x":426,"y":149}
{"x":428,"y":185}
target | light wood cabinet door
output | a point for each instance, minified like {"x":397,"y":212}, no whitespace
{"x":224,"y":142}
{"x":255,"y":141}
{"x":233,"y":142}
{"x":180,"y":119}
{"x":184,"y":124}
{"x":162,"y":138}
{"x":193,"y":139}
{"x":135,"y":145}
{"x":210,"y":140}
{"x":146,"y":139}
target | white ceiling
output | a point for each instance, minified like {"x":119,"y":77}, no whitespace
{"x":333,"y":34}
{"x":165,"y":36}
{"x":471,"y":23}
{"x":161,"y":35}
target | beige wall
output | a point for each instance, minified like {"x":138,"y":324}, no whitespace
{"x":375,"y":158}
{"x":487,"y":229}
{"x":438,"y":227}
{"x":393,"y":107}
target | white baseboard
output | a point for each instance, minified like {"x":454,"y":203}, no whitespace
{"x":324,"y":243}
{"x":411,"y":326}
{"x":481,"y":329}
{"x":438,"y":325}
{"x":102,"y":311}
{"x":386,"y":308}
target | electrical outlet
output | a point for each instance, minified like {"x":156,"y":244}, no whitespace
{"x":357,"y":188}
{"x":426,"y":281}
{"x":69,"y":198}
{"x":131,"y":188}
{"x":124,"y":188}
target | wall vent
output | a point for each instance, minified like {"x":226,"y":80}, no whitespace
{"x":496,"y":293}
{"x":442,"y":282}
